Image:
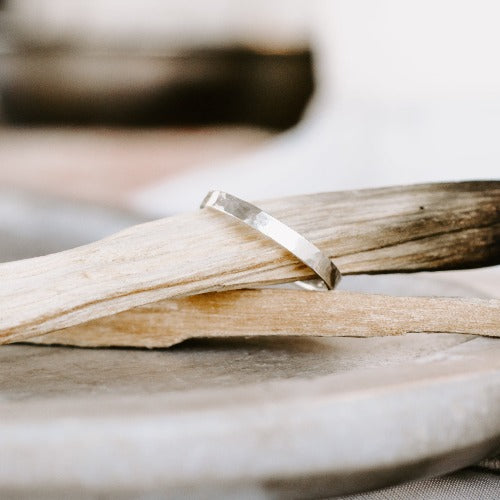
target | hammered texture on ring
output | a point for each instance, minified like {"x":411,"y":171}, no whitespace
{"x":283,"y":235}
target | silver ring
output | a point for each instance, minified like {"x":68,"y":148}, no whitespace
{"x":286,"y":237}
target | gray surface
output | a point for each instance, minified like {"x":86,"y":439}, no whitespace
{"x":124,"y":422}
{"x":36,"y":372}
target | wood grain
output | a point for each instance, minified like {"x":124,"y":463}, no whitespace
{"x":281,"y":312}
{"x":403,"y":229}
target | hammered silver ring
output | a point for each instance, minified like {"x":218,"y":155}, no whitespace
{"x":289,"y":239}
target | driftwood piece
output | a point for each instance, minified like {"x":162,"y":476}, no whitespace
{"x":404,"y":229}
{"x":281,"y":312}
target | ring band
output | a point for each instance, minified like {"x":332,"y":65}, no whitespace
{"x":286,"y":237}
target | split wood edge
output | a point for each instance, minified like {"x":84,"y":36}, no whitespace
{"x":396,"y":229}
{"x":281,"y":312}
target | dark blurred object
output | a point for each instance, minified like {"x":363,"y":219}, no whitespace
{"x":154,"y":62}
{"x":235,"y":86}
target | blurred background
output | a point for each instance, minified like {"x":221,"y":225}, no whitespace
{"x":113,"y":112}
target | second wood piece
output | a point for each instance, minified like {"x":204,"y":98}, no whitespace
{"x":281,"y":312}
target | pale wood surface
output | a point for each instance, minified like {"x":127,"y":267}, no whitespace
{"x":423,"y":227}
{"x":281,"y":312}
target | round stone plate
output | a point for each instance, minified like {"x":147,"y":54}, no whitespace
{"x":258,"y":417}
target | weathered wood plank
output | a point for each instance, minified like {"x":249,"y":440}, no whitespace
{"x":405,"y":229}
{"x":281,"y":312}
